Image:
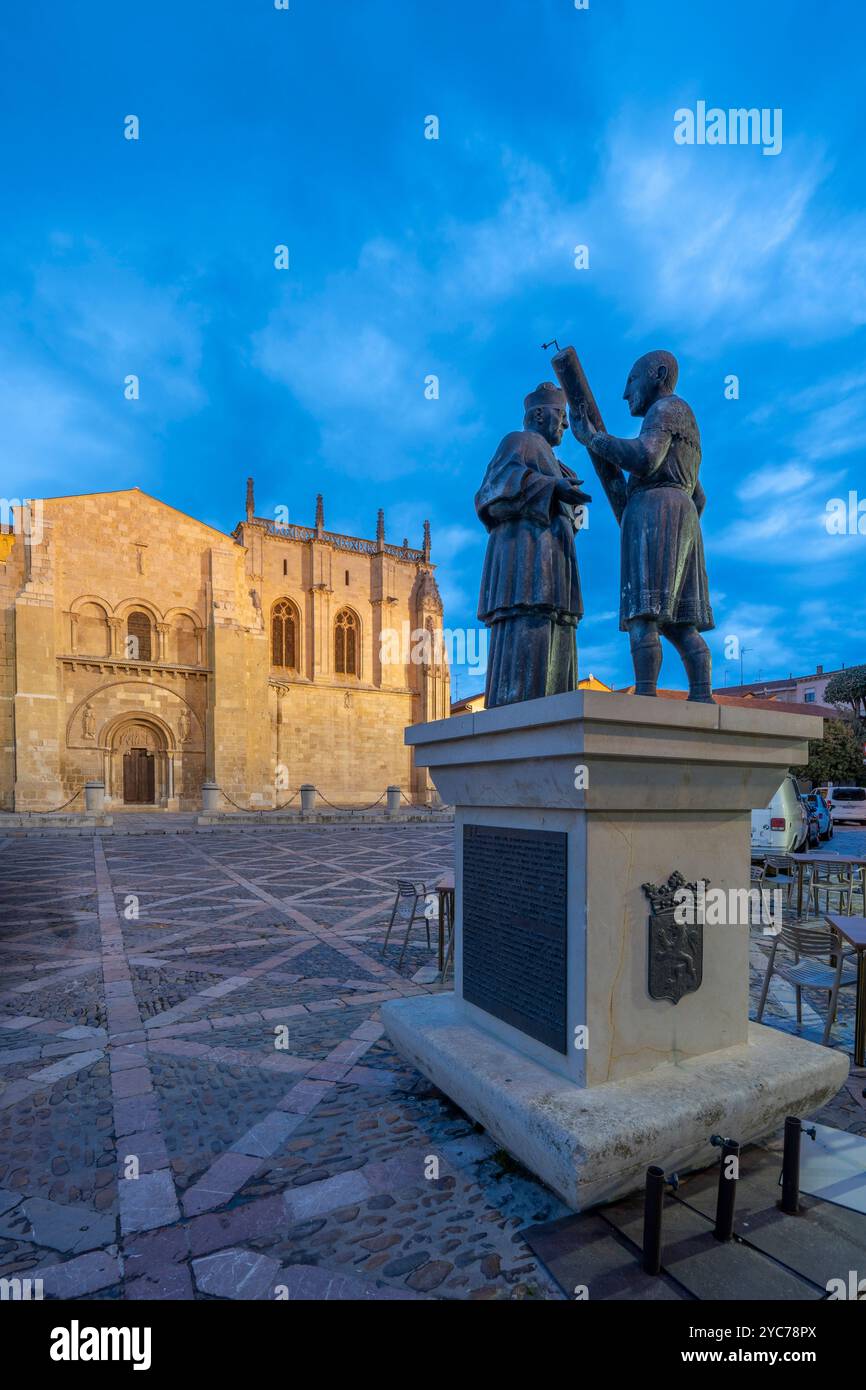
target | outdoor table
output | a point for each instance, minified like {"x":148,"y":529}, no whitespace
{"x":853,"y":930}
{"x":445,"y":889}
{"x":823,"y":857}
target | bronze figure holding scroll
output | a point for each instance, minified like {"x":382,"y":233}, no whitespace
{"x":664,"y":587}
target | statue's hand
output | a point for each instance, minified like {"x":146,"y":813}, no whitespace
{"x":572,"y":495}
{"x":580,"y":426}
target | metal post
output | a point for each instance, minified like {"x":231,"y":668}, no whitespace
{"x":727,"y":1195}
{"x":652,"y":1219}
{"x":794,"y":1131}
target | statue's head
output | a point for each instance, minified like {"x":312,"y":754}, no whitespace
{"x":653,"y":375}
{"x":545,"y":412}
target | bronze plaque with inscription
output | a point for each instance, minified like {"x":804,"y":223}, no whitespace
{"x":515,"y":928}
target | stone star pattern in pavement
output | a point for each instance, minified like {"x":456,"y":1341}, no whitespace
{"x":198,"y":1099}
{"x":149,"y":984}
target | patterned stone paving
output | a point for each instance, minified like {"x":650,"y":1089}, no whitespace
{"x":196,"y":1097}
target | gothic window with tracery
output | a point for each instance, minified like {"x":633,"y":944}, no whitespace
{"x":284,"y":631}
{"x":346,"y":643}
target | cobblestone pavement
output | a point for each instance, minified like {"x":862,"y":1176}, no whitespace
{"x":196,"y":1096}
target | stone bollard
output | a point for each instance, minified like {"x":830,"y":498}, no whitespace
{"x":210,"y":797}
{"x":308,"y":798}
{"x":94,"y":798}
{"x":393,"y":800}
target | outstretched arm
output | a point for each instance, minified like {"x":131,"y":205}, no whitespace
{"x":609,"y":472}
{"x":641,"y":456}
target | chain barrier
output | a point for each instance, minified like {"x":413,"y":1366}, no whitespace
{"x":264,"y":810}
{"x":52,"y":810}
{"x":420,"y":805}
{"x":259,"y":810}
{"x":248,"y":810}
{"x":334,"y":807}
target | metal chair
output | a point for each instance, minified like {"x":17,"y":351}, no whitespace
{"x":829,"y":879}
{"x":446,"y":898}
{"x":757,"y":880}
{"x":418,"y":893}
{"x":781,"y":869}
{"x":449,"y":955}
{"x":445,"y":891}
{"x":811,"y":972}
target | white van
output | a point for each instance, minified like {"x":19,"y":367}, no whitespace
{"x":783,"y":826}
{"x":847,"y":804}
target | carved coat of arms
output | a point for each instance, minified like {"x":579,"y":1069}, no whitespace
{"x":676,"y":938}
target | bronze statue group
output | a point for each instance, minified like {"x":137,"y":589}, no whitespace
{"x":532,"y":506}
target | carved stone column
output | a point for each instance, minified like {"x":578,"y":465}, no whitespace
{"x":116,"y":628}
{"x":162,"y":631}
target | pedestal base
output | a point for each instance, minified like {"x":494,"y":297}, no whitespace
{"x":593,"y":1144}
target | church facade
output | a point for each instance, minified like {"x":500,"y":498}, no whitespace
{"x":145,"y":649}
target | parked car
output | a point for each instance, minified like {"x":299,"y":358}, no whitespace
{"x":787,"y":825}
{"x":848,"y":804}
{"x":818,"y":805}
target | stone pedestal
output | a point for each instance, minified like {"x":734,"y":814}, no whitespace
{"x":565,"y":807}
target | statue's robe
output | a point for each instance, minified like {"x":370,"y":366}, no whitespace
{"x":530,"y":588}
{"x":663,"y":573}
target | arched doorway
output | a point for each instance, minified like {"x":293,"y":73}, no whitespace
{"x":140,"y":765}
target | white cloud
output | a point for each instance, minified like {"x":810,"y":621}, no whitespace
{"x":612,"y":616}
{"x":453,"y":542}
{"x":690,"y":240}
{"x":791,"y":535}
{"x":694,"y":240}
{"x":790,"y":477}
{"x":766,"y":642}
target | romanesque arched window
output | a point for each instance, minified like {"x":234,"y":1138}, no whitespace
{"x":346,"y":644}
{"x":284,"y":635}
{"x":138,"y":643}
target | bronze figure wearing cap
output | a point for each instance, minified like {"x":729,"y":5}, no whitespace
{"x":532,"y":506}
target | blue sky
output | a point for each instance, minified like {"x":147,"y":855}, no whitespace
{"x":454,"y":257}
